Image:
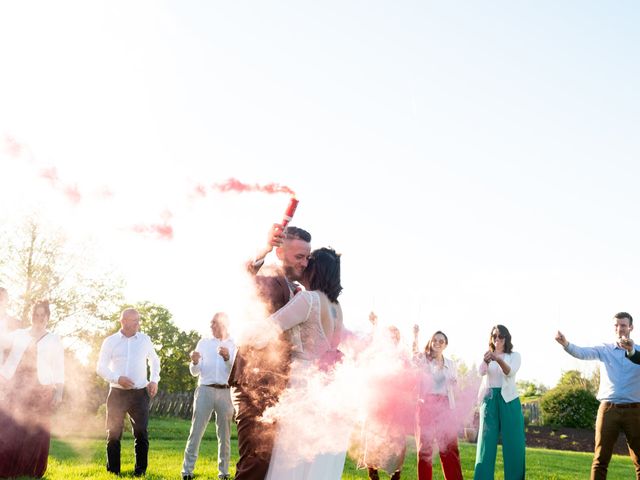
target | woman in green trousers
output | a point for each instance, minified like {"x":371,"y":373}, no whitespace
{"x":500,"y":411}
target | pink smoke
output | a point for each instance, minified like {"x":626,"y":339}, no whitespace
{"x":371,"y":397}
{"x":12,"y":147}
{"x":51,"y":174}
{"x":235,"y":185}
{"x":163,"y":231}
{"x":71,"y":192}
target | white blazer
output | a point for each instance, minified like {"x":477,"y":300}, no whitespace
{"x":450,"y":373}
{"x":508,"y":390}
{"x":50,"y":359}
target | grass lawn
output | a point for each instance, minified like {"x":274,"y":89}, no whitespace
{"x":83,"y":457}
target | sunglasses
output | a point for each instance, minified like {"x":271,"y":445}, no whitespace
{"x":495,"y":336}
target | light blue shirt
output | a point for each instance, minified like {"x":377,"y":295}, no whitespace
{"x":619,"y":377}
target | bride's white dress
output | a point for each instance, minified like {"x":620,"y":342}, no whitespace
{"x":306,"y":448}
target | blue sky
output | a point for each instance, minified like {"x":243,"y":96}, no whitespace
{"x":476,"y":163}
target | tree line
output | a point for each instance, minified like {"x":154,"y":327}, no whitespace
{"x":38,"y":262}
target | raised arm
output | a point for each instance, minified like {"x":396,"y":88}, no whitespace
{"x":582,"y":353}
{"x":274,"y":240}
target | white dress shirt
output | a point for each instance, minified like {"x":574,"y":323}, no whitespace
{"x":128,"y":356}
{"x":50,"y":361}
{"x":212,"y":368}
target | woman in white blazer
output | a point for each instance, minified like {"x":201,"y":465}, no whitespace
{"x":32,"y":378}
{"x":500,"y":410}
{"x":435,"y":406}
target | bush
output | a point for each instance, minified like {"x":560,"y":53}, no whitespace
{"x":569,"y":407}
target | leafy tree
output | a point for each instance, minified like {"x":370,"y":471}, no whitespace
{"x":172,"y":345}
{"x":573,"y":378}
{"x":37,"y":263}
{"x":531,"y":389}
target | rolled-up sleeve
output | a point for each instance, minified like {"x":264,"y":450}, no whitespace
{"x":196,"y":369}
{"x":154,"y":363}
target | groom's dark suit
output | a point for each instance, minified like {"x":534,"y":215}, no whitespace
{"x":257,"y":379}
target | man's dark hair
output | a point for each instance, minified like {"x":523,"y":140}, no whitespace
{"x":323,"y":272}
{"x":621,"y":315}
{"x":295,"y":233}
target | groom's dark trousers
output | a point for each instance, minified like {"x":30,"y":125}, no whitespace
{"x":257,"y":379}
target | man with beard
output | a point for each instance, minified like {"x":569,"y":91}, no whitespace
{"x":258,"y":376}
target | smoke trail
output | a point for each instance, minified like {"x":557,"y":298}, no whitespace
{"x":235,"y":185}
{"x":163,"y":231}
{"x":12,"y":147}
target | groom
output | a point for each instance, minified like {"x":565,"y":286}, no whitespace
{"x":258,"y":376}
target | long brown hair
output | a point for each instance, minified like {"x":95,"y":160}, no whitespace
{"x":427,"y":348}
{"x":502,"y":330}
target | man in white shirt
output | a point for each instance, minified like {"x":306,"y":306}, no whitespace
{"x":211,"y":361}
{"x":123,"y":363}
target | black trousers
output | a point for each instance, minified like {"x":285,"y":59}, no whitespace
{"x":136,"y":404}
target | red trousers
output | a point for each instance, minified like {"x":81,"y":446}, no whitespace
{"x":432,"y":417}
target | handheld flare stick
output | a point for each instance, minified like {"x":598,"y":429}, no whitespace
{"x":288,"y":214}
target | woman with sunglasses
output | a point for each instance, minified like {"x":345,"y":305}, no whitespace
{"x":500,"y":411}
{"x":434,"y":411}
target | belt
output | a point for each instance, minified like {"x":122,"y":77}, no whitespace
{"x":622,"y":405}
{"x":216,"y":385}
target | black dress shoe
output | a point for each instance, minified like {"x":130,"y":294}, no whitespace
{"x":187,"y":477}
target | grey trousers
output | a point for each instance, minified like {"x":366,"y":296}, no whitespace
{"x":206,"y":401}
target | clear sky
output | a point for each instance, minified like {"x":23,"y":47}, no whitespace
{"x":475,"y":162}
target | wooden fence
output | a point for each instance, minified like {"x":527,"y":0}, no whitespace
{"x":531,"y":412}
{"x":181,"y":405}
{"x":172,"y":404}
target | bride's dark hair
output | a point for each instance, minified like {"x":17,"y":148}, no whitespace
{"x":323,"y":273}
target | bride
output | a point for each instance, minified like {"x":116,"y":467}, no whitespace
{"x":313,"y":322}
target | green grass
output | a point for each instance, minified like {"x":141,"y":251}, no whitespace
{"x":83,"y":457}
